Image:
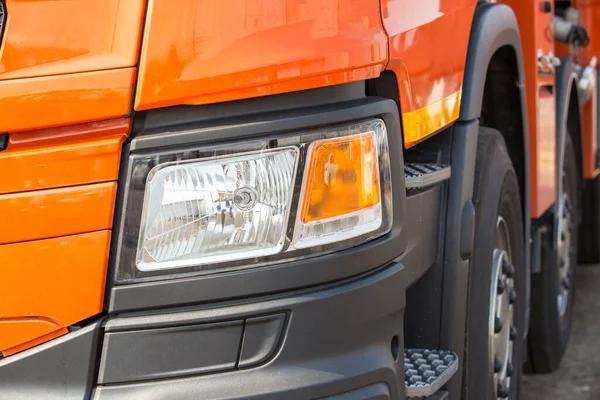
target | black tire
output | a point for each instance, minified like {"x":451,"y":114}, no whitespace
{"x":549,"y":330}
{"x":496,"y":193}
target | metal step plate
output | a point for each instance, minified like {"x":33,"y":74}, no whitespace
{"x":419,"y":176}
{"x":426,"y":371}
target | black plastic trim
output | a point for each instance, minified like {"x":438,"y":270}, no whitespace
{"x":566,"y":77}
{"x":59,"y":369}
{"x":494,"y":26}
{"x":335,"y":343}
{"x":169,"y":352}
{"x":286,"y":276}
{"x":456,"y":269}
{"x":154,"y":123}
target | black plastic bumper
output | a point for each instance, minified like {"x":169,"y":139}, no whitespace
{"x":337,"y":340}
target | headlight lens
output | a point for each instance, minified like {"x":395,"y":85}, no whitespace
{"x":342,"y":195}
{"x":216,"y":210}
{"x":256,"y":203}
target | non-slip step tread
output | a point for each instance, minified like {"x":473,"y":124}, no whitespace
{"x":420,"y":175}
{"x":426,"y":371}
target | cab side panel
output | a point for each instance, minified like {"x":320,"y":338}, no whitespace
{"x":428,"y":49}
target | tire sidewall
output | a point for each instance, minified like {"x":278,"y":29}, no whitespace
{"x":496,"y":193}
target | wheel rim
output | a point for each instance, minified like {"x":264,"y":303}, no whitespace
{"x":564,"y":250}
{"x":502,"y":333}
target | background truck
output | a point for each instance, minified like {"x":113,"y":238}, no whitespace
{"x":293,"y":199}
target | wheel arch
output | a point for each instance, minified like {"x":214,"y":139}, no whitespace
{"x":495,"y":53}
{"x":568,"y":114}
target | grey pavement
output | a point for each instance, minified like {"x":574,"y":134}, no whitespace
{"x":579,"y":375}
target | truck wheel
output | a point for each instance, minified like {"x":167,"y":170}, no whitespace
{"x":497,"y":276}
{"x":552,"y":292}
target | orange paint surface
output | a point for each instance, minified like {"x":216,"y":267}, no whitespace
{"x":422,"y":123}
{"x":43,"y":214}
{"x":17,"y":334}
{"x":43,"y":102}
{"x":60,"y":280}
{"x":590,"y":19}
{"x":537,"y":33}
{"x":48,"y":37}
{"x":428,"y":50}
{"x":204,"y":51}
{"x":66,"y":156}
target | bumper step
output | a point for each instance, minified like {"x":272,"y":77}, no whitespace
{"x":418,"y":176}
{"x":426,"y":371}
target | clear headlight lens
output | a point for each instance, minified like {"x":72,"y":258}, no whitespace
{"x":222,"y":209}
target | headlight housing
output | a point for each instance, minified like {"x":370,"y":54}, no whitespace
{"x":221,"y":208}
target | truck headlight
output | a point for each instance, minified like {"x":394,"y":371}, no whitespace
{"x":216,"y":210}
{"x":245,"y":205}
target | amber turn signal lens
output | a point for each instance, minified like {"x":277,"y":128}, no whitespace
{"x":342,"y":178}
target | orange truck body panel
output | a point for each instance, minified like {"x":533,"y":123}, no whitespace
{"x":57,"y":204}
{"x":429,"y":70}
{"x":60,"y":280}
{"x":204,"y":51}
{"x":541,"y":103}
{"x":590,"y":18}
{"x":65,"y":62}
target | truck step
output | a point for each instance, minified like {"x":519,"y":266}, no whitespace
{"x":426,"y":371}
{"x":418,"y":176}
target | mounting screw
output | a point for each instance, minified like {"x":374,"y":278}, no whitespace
{"x":546,"y":7}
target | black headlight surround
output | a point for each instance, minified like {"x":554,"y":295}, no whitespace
{"x":260,"y":119}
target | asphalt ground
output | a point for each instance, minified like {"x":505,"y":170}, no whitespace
{"x":578,"y":377}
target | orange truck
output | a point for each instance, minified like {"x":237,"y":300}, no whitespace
{"x":293,"y":199}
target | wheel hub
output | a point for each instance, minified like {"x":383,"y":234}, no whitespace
{"x":564,"y":250}
{"x":502,"y":333}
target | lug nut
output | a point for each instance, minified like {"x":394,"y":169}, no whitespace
{"x":513,"y":333}
{"x":501,"y":286}
{"x":512,"y":297}
{"x":502,"y":391}
{"x":497,"y":365}
{"x":509,"y":369}
{"x":508,"y":268}
{"x":497,"y":325}
{"x":563,"y":237}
